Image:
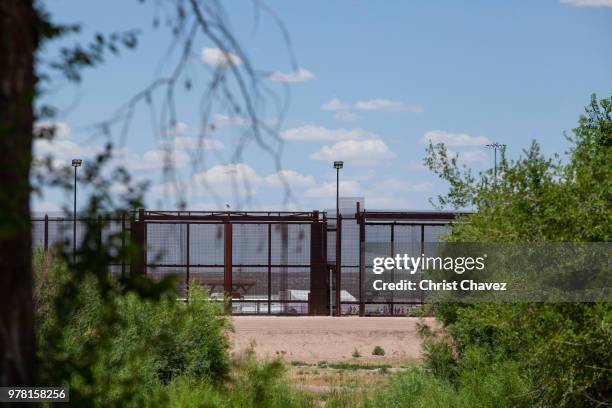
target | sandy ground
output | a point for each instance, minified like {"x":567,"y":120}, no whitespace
{"x":331,"y":339}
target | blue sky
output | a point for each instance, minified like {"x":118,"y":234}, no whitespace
{"x":373,"y":82}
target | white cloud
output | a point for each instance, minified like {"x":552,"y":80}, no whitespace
{"x":387,"y":105}
{"x":416,"y":165}
{"x":223,"y":178}
{"x":292,"y":178}
{"x":345,"y":116}
{"x":320,"y":133}
{"x":471,"y":156}
{"x":357,"y":152}
{"x":176,"y":138}
{"x":588,"y":3}
{"x":220,"y":58}
{"x":154,"y":159}
{"x":300,"y":75}
{"x":328,"y":189}
{"x":334,"y":104}
{"x":341,"y":109}
{"x":387,"y":201}
{"x":63,"y":150}
{"x":453,"y":139}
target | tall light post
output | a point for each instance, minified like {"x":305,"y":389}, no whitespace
{"x":75,"y":163}
{"x":337,"y":165}
{"x":495,"y":146}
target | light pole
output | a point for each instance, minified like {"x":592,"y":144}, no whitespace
{"x":337,"y":165}
{"x":495,"y":146}
{"x":75,"y":163}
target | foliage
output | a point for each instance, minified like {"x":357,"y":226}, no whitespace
{"x":481,"y":382}
{"x":155,"y":341}
{"x":258,"y":384}
{"x":563,"y":350}
{"x":378,"y":351}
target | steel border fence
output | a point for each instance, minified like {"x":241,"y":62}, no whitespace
{"x":265,"y":262}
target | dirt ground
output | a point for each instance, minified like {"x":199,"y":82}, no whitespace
{"x":330,"y":339}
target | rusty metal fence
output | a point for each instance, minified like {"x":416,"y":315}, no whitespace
{"x":280,"y":263}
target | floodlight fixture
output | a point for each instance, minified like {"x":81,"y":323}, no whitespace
{"x":338,"y":164}
{"x":77,"y":162}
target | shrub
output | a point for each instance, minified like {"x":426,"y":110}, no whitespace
{"x":378,"y":351}
{"x":154,"y":341}
{"x":481,"y":382}
{"x":439,"y":360}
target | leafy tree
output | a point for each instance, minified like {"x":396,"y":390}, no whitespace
{"x":563,"y":349}
{"x":25,"y":27}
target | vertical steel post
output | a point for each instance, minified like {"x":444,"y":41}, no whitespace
{"x":338,"y":264}
{"x":138,"y":231}
{"x":187,"y":266}
{"x":361,"y":221}
{"x":392,"y":254}
{"x":337,"y":192}
{"x":46,"y":234}
{"x":269,"y":268}
{"x":422,"y":252}
{"x":227,"y":266}
{"x":74,"y":216}
{"x":123,"y":254}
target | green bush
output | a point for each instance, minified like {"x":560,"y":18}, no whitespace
{"x":154,"y":341}
{"x":562,"y":350}
{"x":481,"y":381}
{"x":439,"y":359}
{"x":378,"y":351}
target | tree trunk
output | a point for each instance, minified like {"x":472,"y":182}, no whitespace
{"x":18,"y":43}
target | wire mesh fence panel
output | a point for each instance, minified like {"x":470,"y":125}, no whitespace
{"x":61,"y":232}
{"x":407,"y":240}
{"x":290,"y":244}
{"x":206,"y":244}
{"x":378,"y":233}
{"x":38,"y":234}
{"x":290,"y":286}
{"x":350,"y":247}
{"x":166,"y":244}
{"x":331,"y":246}
{"x":250,"y":258}
{"x":209,"y":279}
{"x":435,"y":233}
{"x":250,"y":244}
{"x":406,"y":233}
{"x":111,"y":235}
